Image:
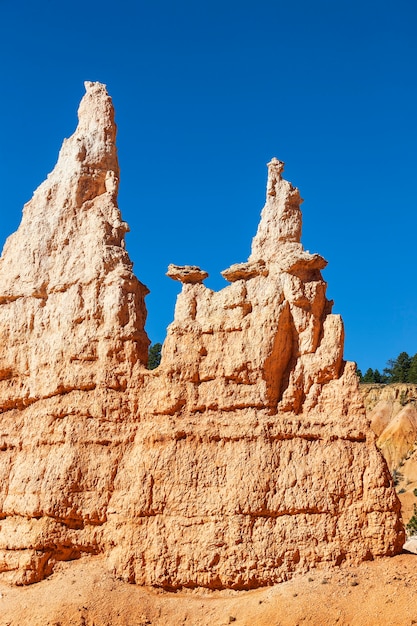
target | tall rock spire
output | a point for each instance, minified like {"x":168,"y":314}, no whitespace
{"x":281,"y":216}
{"x":72,"y":341}
{"x":66,"y":284}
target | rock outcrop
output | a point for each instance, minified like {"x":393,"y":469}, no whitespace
{"x":244,"y":457}
{"x":186,"y":273}
{"x":392,"y":411}
{"x":72,"y":337}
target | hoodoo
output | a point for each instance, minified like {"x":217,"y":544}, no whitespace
{"x":244,"y":457}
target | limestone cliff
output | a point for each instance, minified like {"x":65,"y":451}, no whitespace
{"x":244,"y":457}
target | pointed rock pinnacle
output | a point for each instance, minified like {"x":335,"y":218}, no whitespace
{"x":65,"y":274}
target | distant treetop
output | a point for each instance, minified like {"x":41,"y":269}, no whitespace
{"x":403,"y":369}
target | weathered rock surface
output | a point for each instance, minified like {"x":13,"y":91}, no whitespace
{"x":244,"y":457}
{"x":245,"y":271}
{"x":186,"y":273}
{"x":392,"y":410}
{"x":72,"y":336}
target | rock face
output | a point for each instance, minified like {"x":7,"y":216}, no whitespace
{"x":244,"y":457}
{"x":392,"y":410}
{"x":393,"y":414}
{"x":72,"y":336}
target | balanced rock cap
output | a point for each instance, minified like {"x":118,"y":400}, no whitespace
{"x":186,"y":273}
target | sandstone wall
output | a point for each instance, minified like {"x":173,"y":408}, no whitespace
{"x":244,"y":457}
{"x":392,"y":411}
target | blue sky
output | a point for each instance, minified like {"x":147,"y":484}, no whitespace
{"x":205,"y":94}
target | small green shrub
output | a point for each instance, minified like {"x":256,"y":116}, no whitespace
{"x":403,"y":398}
{"x":396,"y":477}
{"x":412,"y":524}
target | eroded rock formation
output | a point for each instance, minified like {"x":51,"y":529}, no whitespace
{"x":392,"y":411}
{"x":72,"y":335}
{"x":244,"y":457}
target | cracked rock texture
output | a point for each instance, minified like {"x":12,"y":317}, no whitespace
{"x":244,"y":457}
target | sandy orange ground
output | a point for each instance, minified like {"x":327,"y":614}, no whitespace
{"x":82,"y":593}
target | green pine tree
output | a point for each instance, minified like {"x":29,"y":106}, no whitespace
{"x":369,"y":376}
{"x":377,"y":377}
{"x":397,"y":370}
{"x":412,"y":372}
{"x":154,"y":356}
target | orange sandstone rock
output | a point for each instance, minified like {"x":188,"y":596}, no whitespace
{"x":72,"y":338}
{"x":244,"y":457}
{"x":393,"y":415}
{"x":186,"y":273}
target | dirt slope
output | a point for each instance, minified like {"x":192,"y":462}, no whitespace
{"x":382,"y":592}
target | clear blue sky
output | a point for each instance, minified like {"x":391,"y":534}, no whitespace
{"x":206,"y":92}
